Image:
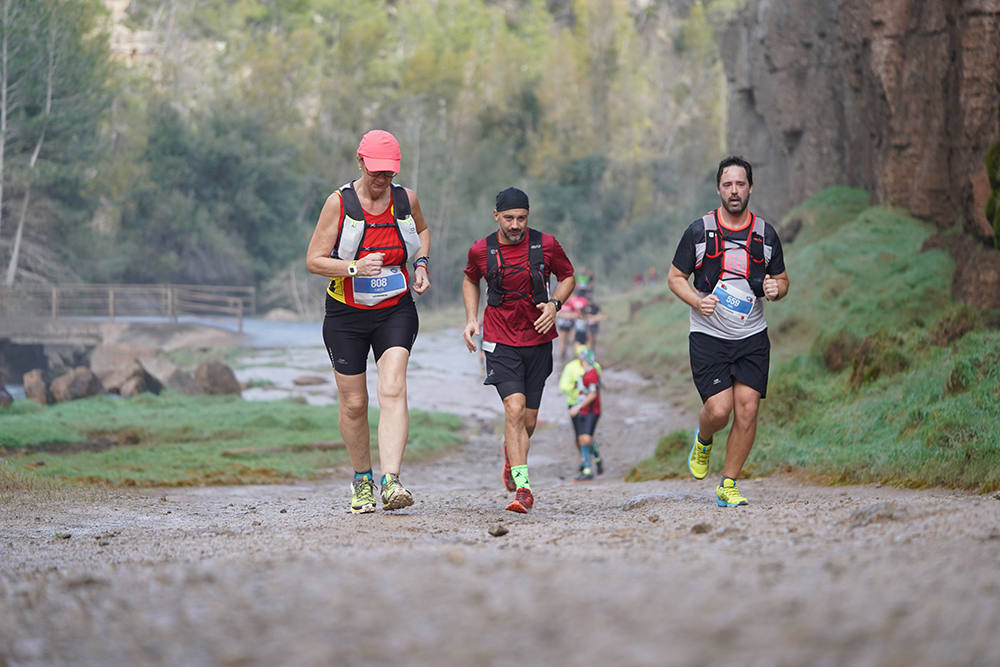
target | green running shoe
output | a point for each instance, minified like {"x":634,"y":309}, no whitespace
{"x":698,"y":458}
{"x":394,"y":495}
{"x":363,"y":495}
{"x":728,"y":495}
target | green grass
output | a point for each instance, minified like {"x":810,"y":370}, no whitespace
{"x":876,"y":376}
{"x":175,"y":440}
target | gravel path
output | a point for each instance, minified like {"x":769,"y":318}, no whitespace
{"x":602,"y":573}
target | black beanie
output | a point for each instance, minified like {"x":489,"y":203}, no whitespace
{"x":511,"y":198}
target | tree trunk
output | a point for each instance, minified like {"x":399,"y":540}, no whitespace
{"x":5,"y":18}
{"x":15,"y":251}
{"x":49,"y":85}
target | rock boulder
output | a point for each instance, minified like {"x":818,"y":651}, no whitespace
{"x":36,"y":387}
{"x":80,"y":382}
{"x":214,"y":377}
{"x":184,"y":382}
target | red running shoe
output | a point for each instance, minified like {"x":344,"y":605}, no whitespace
{"x":508,"y":476}
{"x":522,"y":502}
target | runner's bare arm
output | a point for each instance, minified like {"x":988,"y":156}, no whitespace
{"x":547,"y":319}
{"x":679,"y":285}
{"x":421,"y":276}
{"x":776,"y":287}
{"x":323,"y":241}
{"x":590,"y":398}
{"x":470,"y":297}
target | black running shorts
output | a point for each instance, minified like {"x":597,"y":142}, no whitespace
{"x":520,"y":370}
{"x":716,"y":362}
{"x":349,"y":332}
{"x":585,"y":424}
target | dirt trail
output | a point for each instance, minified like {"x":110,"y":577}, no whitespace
{"x":602,"y":573}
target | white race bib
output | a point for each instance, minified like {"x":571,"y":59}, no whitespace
{"x":489,"y":346}
{"x":734,"y":304}
{"x":370,"y":290}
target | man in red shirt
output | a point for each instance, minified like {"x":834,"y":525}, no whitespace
{"x":518,"y":324}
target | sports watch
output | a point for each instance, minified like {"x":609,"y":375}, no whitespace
{"x":352,"y":268}
{"x":557,"y":303}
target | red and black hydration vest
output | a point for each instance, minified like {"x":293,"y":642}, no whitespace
{"x":751,"y":266}
{"x":495,"y":292}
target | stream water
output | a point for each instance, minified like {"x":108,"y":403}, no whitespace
{"x":291,"y":359}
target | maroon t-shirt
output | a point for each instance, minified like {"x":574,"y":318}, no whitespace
{"x":591,"y":382}
{"x":512,"y":322}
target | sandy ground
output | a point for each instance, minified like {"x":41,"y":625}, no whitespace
{"x":602,"y":573}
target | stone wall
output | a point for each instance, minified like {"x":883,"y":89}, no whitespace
{"x":895,"y":96}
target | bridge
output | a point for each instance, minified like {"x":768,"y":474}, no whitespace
{"x":72,"y":313}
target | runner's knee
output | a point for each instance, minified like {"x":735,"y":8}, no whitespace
{"x":530,"y":421}
{"x":515,"y":408}
{"x":391,"y":388}
{"x":353,"y":406}
{"x":745,"y":412}
{"x":718,"y":407}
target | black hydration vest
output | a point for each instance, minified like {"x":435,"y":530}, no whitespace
{"x":708,"y":273}
{"x":495,"y":293}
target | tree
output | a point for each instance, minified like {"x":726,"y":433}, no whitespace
{"x":219,"y":200}
{"x":54,"y":68}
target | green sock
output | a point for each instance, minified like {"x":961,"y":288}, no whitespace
{"x":520,"y":474}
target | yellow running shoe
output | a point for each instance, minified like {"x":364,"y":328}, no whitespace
{"x":728,"y":495}
{"x":363,"y":495}
{"x":698,"y":458}
{"x":394,"y":495}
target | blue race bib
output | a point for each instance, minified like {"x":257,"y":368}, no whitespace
{"x":734,"y":303}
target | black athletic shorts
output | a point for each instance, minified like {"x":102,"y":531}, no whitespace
{"x":520,"y":370}
{"x":349,"y":332}
{"x":585,"y":424}
{"x":580,"y":332}
{"x":716,"y":362}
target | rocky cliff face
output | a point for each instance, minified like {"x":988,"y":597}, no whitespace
{"x":895,"y":96}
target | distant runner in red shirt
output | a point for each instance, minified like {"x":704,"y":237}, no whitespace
{"x":518,"y":324}
{"x":581,"y":382}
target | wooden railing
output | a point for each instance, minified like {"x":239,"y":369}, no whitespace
{"x":111,"y":301}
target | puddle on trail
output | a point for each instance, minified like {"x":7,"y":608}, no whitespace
{"x":442,"y":376}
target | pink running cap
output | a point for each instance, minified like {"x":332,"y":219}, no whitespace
{"x":380,"y":151}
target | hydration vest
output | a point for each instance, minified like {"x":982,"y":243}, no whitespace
{"x":495,"y":293}
{"x":352,"y":231}
{"x":708,"y":272}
